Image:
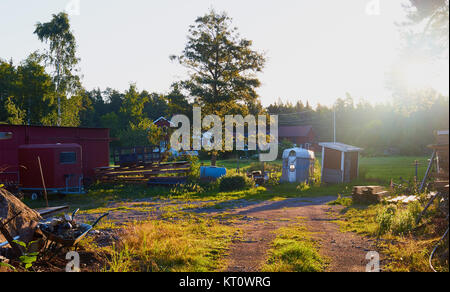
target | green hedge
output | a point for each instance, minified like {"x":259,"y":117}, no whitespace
{"x":235,"y":183}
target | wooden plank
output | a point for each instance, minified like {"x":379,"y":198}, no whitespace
{"x":141,"y":173}
{"x":45,"y":212}
{"x":143,"y":168}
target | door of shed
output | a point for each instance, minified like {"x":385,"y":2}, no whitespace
{"x":61,"y":167}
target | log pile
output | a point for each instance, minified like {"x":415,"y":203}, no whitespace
{"x":368,"y":194}
{"x":16,"y":219}
{"x":143,"y":173}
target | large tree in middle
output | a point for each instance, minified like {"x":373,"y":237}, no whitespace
{"x":222,"y":67}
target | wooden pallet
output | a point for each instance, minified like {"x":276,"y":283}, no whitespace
{"x":143,"y":173}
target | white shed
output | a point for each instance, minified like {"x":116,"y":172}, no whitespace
{"x":340,"y":162}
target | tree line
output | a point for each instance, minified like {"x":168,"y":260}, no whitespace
{"x":45,"y":89}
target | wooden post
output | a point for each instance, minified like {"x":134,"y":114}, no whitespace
{"x":323,"y":159}
{"x":43,"y":181}
{"x":427,"y":173}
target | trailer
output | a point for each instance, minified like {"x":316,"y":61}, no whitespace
{"x":56,"y":168}
{"x":93,"y":141}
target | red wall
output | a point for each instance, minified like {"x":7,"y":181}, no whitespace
{"x":54,"y":172}
{"x":311,"y":139}
{"x":94,"y":143}
{"x":332,"y":159}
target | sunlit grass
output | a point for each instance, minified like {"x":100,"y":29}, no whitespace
{"x":294,"y":250}
{"x":193,"y":244}
{"x":407,"y":247}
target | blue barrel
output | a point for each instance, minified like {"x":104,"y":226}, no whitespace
{"x":212,"y":172}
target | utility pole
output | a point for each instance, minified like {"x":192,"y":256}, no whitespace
{"x":334,"y":123}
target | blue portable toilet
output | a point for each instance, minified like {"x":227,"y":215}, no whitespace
{"x":298,"y":165}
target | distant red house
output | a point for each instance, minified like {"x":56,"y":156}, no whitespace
{"x":162,"y":122}
{"x":302,"y":136}
{"x":165,"y":125}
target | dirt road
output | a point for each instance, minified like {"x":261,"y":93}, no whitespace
{"x":258,"y":222}
{"x":346,"y":251}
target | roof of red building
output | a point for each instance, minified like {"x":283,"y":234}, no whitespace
{"x":294,"y":131}
{"x":163,"y":122}
{"x":49,"y":146}
{"x":50,"y":127}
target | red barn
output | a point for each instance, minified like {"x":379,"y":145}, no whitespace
{"x":94,"y":144}
{"x":302,"y":136}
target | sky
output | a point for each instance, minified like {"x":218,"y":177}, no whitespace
{"x":316,"y":50}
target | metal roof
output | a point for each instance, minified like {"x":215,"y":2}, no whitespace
{"x":341,"y":147}
{"x":50,"y":146}
{"x":300,"y":153}
{"x":50,"y":127}
{"x":164,"y":119}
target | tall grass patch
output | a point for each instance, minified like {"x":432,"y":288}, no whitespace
{"x":187,"y":245}
{"x":294,"y":250}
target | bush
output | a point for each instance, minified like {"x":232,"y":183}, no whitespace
{"x":235,"y":183}
{"x":385,"y":218}
{"x":398,"y":221}
{"x":194,"y":170}
{"x":403,"y":223}
{"x":270,"y":167}
{"x":303,"y":186}
{"x":317,"y":176}
{"x":180,"y":190}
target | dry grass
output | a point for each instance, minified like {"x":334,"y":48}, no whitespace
{"x":188,"y":245}
{"x":407,"y":247}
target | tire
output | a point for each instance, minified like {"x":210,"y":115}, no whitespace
{"x":35,"y":196}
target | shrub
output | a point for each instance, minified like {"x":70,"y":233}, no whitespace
{"x":415,"y":209}
{"x":273,"y":181}
{"x":235,"y":183}
{"x":180,"y":190}
{"x":194,"y":170}
{"x":398,"y":221}
{"x":385,"y":218}
{"x":403,"y":223}
{"x":270,"y":167}
{"x":303,"y":186}
{"x":317,"y":176}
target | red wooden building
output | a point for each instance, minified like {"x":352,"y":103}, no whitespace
{"x":165,"y":125}
{"x":61,"y":164}
{"x":340,"y":162}
{"x":94,"y":146}
{"x":301,"y":136}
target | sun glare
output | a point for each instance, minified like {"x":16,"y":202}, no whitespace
{"x":419,"y":74}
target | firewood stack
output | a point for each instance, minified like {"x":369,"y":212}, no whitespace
{"x":369,"y":194}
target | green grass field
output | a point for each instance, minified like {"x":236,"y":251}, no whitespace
{"x":385,"y":168}
{"x":371,"y":168}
